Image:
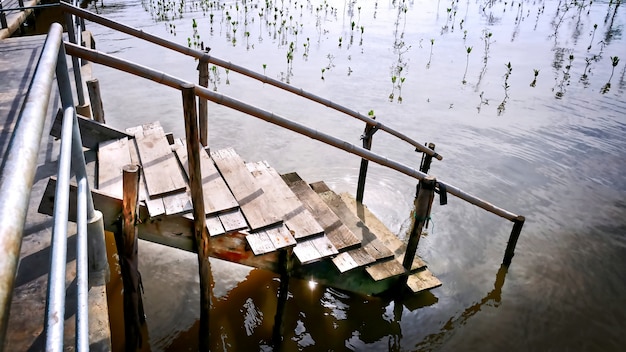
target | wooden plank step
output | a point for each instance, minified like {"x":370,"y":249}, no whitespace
{"x":339,"y":235}
{"x":257,"y":209}
{"x":368,"y":239}
{"x":385,"y":270}
{"x":313,"y":249}
{"x":217,"y":196}
{"x":155,"y":206}
{"x":359,"y":257}
{"x":298,"y":219}
{"x":422,"y":281}
{"x":161,"y":170}
{"x":112,"y":157}
{"x":233,"y":220}
{"x":270,"y":240}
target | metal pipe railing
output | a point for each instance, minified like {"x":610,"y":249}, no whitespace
{"x":18,"y":169}
{"x":203,"y":56}
{"x":174,"y":82}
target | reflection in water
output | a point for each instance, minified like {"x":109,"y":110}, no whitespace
{"x":491,"y":299}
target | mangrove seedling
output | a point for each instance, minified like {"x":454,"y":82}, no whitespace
{"x":264,"y":67}
{"x":323,"y":70}
{"x":430,"y":57}
{"x":468,"y":50}
{"x":534,"y":82}
{"x":593,"y":35}
{"x":607,"y":86}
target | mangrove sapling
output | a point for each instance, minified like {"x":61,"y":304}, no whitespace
{"x":614,"y":62}
{"x":593,"y":35}
{"x":468,"y":50}
{"x":534,"y":82}
{"x":506,"y":86}
{"x":264,"y":68}
{"x":430,"y":57}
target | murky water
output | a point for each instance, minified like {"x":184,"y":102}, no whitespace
{"x":550,"y":146}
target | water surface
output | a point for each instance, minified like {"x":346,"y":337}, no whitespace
{"x":550,"y":147}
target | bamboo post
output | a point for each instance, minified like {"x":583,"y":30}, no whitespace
{"x":93,"y":88}
{"x":285,"y":262}
{"x":510,"y":247}
{"x":422,"y":213}
{"x":201,"y":234}
{"x":126,"y":241}
{"x":203,"y":114}
{"x":368,"y":133}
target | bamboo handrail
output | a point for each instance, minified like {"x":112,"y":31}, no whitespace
{"x":201,"y":55}
{"x":177,"y":83}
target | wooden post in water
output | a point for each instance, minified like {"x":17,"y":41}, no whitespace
{"x":203,"y":114}
{"x":368,"y":133}
{"x":424,"y":166}
{"x":126,"y":241}
{"x":423,"y":204}
{"x":201,"y":234}
{"x":285,"y":262}
{"x":510,"y":247}
{"x":93,"y":88}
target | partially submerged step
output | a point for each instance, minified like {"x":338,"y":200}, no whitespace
{"x":270,"y":240}
{"x":339,"y":235}
{"x":422,"y":281}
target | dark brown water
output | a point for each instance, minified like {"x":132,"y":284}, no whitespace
{"x":552,"y":149}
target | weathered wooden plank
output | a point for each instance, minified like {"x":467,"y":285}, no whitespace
{"x":280,"y":237}
{"x":178,"y":203}
{"x":260,"y":243}
{"x":92,"y":132}
{"x":217,"y":195}
{"x":162,"y":173}
{"x":257,"y":209}
{"x":233,"y":220}
{"x":384,"y":270}
{"x":340,"y":236}
{"x":214,"y":225}
{"x":112,"y":157}
{"x":344,"y":262}
{"x":297,"y":218}
{"x":324,"y":246}
{"x":422,"y":281}
{"x":306,"y":252}
{"x":376,"y":249}
{"x":155,"y":206}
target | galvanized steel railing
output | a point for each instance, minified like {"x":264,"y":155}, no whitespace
{"x":18,"y":171}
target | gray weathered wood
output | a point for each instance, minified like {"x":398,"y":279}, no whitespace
{"x":155,"y":206}
{"x":178,"y":203}
{"x":160,"y":168}
{"x":95,"y":98}
{"x":257,"y":209}
{"x":92,"y":132}
{"x":340,"y":236}
{"x":233,"y":220}
{"x":306,"y":252}
{"x":297,"y":218}
{"x":384,"y":270}
{"x":112,"y":157}
{"x":280,"y":237}
{"x":422,"y":281}
{"x":214,"y":225}
{"x":260,"y":243}
{"x":352,"y":259}
{"x":217,"y":195}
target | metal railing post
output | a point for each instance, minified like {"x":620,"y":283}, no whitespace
{"x":18,"y":169}
{"x":69,"y":20}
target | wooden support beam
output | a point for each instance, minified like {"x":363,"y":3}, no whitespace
{"x":93,"y":88}
{"x":421,"y":215}
{"x":201,"y":234}
{"x":126,"y":240}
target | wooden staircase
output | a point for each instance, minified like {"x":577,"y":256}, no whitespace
{"x":252,"y":213}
